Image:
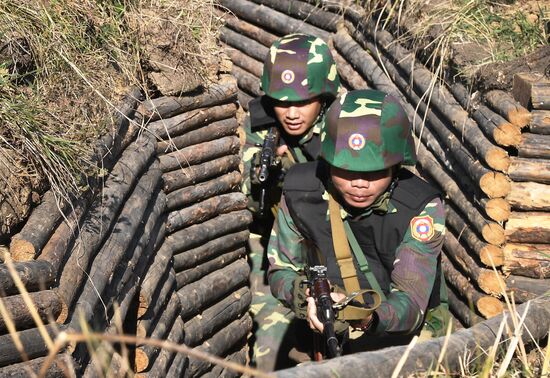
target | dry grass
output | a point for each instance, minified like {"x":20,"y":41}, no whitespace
{"x":473,"y":33}
{"x":63,"y":66}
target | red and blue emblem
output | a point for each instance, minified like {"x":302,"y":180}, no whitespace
{"x":287,"y":76}
{"x":422,"y":228}
{"x":356,"y":141}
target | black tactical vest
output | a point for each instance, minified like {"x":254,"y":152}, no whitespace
{"x":378,"y":235}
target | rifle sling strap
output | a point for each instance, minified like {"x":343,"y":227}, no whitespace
{"x":347,"y":311}
{"x":344,"y":258}
{"x":347,"y":269}
{"x":290,"y":156}
{"x":362,"y":261}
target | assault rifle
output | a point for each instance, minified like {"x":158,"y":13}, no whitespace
{"x":268,"y":161}
{"x":319,"y":289}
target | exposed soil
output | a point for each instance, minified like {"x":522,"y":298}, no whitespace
{"x":173,"y":62}
{"x":467,"y":60}
{"x":16,"y":195}
{"x":501,"y":75}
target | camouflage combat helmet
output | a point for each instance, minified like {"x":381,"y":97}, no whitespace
{"x":299,"y":67}
{"x":366,"y":131}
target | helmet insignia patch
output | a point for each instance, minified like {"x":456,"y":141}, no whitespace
{"x":356,"y":141}
{"x":422,"y":228}
{"x":287,"y":76}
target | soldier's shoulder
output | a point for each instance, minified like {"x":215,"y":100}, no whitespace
{"x":413,"y":191}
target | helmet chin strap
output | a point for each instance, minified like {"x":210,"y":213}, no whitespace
{"x":324,"y":106}
{"x":394,"y":180}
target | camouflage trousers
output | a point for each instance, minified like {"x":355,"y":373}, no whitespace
{"x":271,"y":319}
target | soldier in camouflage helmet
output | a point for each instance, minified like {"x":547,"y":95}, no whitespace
{"x":299,"y":81}
{"x":393,"y":221}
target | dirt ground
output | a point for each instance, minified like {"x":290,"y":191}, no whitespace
{"x":477,"y":60}
{"x":500,"y":75}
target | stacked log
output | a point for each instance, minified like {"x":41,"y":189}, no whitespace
{"x":117,"y":249}
{"x":34,"y":307}
{"x":421,"y":359}
{"x":526,"y":253}
{"x":199,"y":215}
{"x":29,"y":309}
{"x":484,"y":156}
{"x":247,"y":46}
{"x":200,"y":264}
{"x":108,"y":279}
{"x":61,"y":366}
{"x":45,"y":218}
{"x":143,"y":249}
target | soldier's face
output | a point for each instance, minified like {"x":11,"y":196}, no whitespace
{"x":297,"y":117}
{"x":360,"y":189}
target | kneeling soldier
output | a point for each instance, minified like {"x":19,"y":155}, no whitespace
{"x":375,"y":225}
{"x":300,"y":81}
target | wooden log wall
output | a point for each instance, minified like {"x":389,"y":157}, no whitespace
{"x":157,"y":248}
{"x":201,"y":260}
{"x":34,"y":306}
{"x":489,"y":157}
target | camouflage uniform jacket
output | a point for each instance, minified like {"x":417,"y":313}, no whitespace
{"x":414,"y":265}
{"x":303,"y":149}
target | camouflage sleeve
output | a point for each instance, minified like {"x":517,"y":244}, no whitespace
{"x":414,"y":272}
{"x":252,"y":140}
{"x":284,"y":252}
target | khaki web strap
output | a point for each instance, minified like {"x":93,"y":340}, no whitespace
{"x":347,"y":269}
{"x":289,"y":156}
{"x":342,"y":250}
{"x":347,"y":311}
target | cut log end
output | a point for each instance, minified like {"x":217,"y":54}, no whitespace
{"x":495,"y":185}
{"x":498,"y":209}
{"x":489,"y":307}
{"x":520,"y":117}
{"x":21,"y":250}
{"x":143,"y":305}
{"x":142,"y":361}
{"x":142,"y":308}
{"x":493,"y":233}
{"x":491,"y":255}
{"x":507,"y":135}
{"x":491,"y":283}
{"x":498,"y":159}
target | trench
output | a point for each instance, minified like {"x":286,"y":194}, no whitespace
{"x":159,"y":246}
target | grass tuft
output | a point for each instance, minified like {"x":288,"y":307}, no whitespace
{"x":480,"y":31}
{"x":64,"y":63}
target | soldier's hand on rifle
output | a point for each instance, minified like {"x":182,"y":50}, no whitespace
{"x":281,"y":150}
{"x":312,"y":319}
